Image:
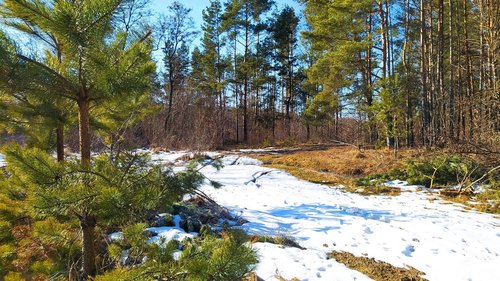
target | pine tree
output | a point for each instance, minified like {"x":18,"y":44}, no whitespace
{"x":113,"y":192}
{"x":284,"y":33}
{"x":28,"y":109}
{"x":100,"y":64}
{"x":210,"y":66}
{"x":245,"y":15}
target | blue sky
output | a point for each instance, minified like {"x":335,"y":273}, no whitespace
{"x":197,"y":6}
{"x":161,"y":7}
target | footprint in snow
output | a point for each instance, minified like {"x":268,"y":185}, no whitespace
{"x":368,"y":230}
{"x":409,"y":250}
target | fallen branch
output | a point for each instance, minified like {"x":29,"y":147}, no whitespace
{"x":481,"y":178}
{"x":254,"y":177}
{"x":359,"y":147}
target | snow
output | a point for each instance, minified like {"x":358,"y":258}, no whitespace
{"x":2,"y":160}
{"x":404,"y":186}
{"x":166,"y":233}
{"x":291,"y":262}
{"x":167,"y":157}
{"x":229,"y":160}
{"x":162,"y":234}
{"x":415,"y":228}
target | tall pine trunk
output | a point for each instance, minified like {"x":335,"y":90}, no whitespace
{"x":451,"y":112}
{"x":84,"y":122}
{"x":60,"y":143}
{"x":88,"y":222}
{"x":246,"y":78}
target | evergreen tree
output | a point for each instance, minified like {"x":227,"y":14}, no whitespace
{"x":210,"y":65}
{"x":100,"y":64}
{"x":113,"y":192}
{"x":284,"y":33}
{"x":245,"y":15}
{"x":28,"y":109}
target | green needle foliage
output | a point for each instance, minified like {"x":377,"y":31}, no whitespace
{"x":97,"y":67}
{"x":115,"y":192}
{"x":56,"y":195}
{"x":212,"y":258}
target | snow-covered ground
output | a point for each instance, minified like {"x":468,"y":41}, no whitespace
{"x":416,"y":228}
{"x":2,"y":160}
{"x":441,"y":239}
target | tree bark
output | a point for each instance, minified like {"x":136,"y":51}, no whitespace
{"x":451,"y":101}
{"x":88,"y":224}
{"x":60,"y":143}
{"x":246,"y":78}
{"x":84,"y":122}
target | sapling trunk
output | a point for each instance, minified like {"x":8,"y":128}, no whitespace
{"x":88,"y":224}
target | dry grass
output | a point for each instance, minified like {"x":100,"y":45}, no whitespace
{"x":252,"y":277}
{"x":373,"y":190}
{"x":377,"y":270}
{"x":336,"y":165}
{"x":339,"y":165}
{"x":486,"y":202}
{"x":340,"y":160}
{"x":278,"y":240}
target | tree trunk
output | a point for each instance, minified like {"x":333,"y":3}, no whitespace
{"x":88,"y":224}
{"x":84,"y":122}
{"x":60,"y":143}
{"x":245,"y":85}
{"x":468,"y":75}
{"x":409,"y":105}
{"x":440,"y":73}
{"x":424,"y":78}
{"x":170,"y":99}
{"x":451,"y":112}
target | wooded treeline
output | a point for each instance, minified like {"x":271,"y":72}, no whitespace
{"x":372,"y":73}
{"x":395,"y":73}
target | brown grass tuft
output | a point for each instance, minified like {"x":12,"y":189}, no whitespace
{"x":377,"y":270}
{"x":346,"y":162}
{"x":338,"y":165}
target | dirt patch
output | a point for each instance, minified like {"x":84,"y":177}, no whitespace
{"x":377,"y":270}
{"x":487,"y":201}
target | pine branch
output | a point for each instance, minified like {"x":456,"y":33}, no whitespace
{"x":127,"y":169}
{"x":107,"y":14}
{"x":30,"y":8}
{"x":88,"y":172}
{"x":43,"y":66}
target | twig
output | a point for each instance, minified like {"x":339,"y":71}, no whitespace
{"x":254,"y":178}
{"x":481,"y":178}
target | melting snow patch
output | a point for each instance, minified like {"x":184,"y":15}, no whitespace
{"x":161,"y":234}
{"x":403,"y":185}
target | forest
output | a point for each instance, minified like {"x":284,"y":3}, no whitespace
{"x":118,"y":124}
